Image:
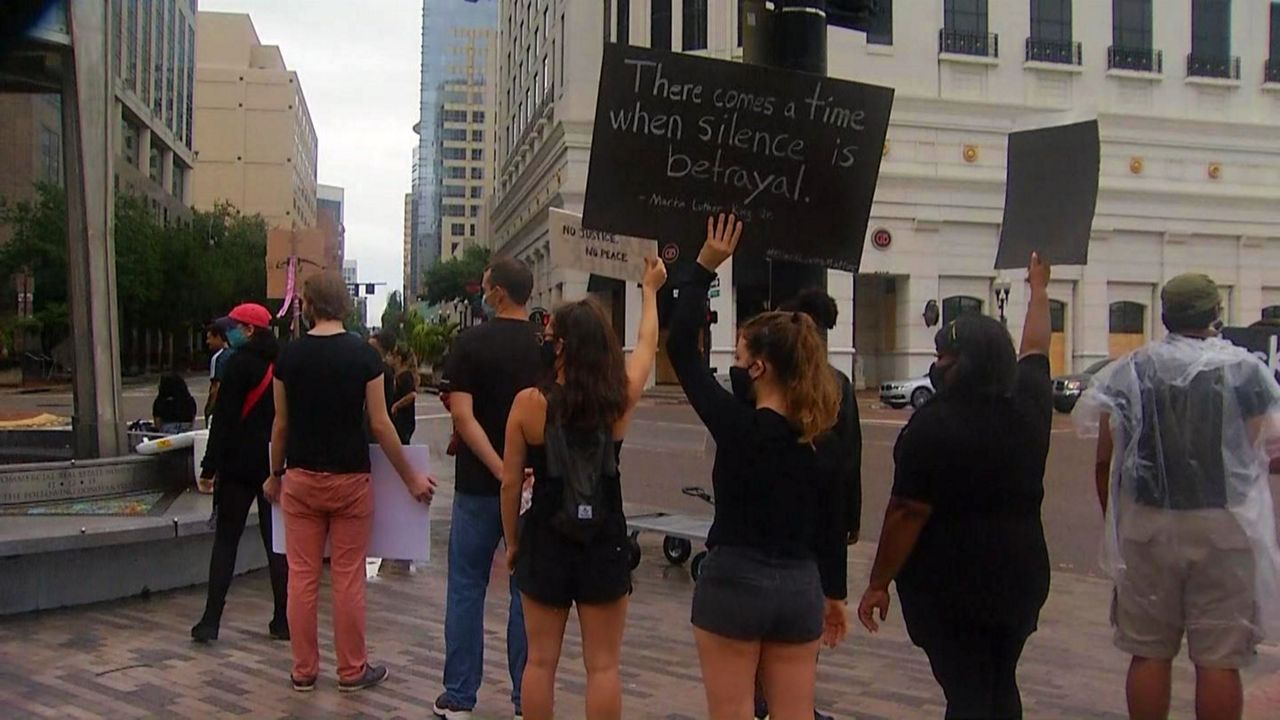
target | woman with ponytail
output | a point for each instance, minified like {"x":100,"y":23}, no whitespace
{"x":962,"y":535}
{"x":773,"y":584}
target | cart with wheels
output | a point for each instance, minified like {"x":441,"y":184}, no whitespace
{"x":680,"y":533}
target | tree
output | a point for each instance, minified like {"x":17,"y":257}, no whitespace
{"x":170,"y":279}
{"x":448,"y":280}
{"x":393,"y":313}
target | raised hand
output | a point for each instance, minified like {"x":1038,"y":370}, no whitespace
{"x":655,"y":274}
{"x":1038,"y":272}
{"x":721,"y":242}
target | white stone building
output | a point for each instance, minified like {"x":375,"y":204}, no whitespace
{"x":1186,"y":92}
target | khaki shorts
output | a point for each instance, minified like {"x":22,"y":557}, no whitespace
{"x":1186,"y":571}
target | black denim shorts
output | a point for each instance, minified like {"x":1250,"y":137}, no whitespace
{"x":749,"y":594}
{"x":556,"y":571}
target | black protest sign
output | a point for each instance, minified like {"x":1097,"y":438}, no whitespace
{"x":1261,"y":340}
{"x":679,"y":137}
{"x":1051,"y":191}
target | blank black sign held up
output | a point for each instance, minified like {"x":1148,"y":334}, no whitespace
{"x":678,"y":138}
{"x":1051,"y":192}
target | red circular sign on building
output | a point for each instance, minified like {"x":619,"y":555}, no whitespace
{"x":881,"y":238}
{"x":670,"y":252}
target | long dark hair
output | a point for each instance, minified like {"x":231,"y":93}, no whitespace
{"x":790,"y":343}
{"x":985,"y":362}
{"x":263,"y":342}
{"x":594,"y":392}
{"x":172,"y":385}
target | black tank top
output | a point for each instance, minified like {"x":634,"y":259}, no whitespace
{"x":546,"y":494}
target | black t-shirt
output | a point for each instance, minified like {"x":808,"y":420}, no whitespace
{"x":174,"y":409}
{"x":773,"y":493}
{"x":1180,"y":455}
{"x":405,"y":418}
{"x":979,"y":463}
{"x":492,"y":362}
{"x":325,"y":377}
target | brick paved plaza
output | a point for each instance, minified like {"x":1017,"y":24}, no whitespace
{"x":133,"y":659}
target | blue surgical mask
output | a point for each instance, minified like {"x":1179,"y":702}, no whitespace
{"x":237,"y":337}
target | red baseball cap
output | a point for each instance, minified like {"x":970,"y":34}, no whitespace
{"x":249,"y":314}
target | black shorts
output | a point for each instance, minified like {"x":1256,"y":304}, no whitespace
{"x":748,"y":594}
{"x":556,"y":571}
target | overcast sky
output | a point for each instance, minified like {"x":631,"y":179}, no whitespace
{"x":358,"y":63}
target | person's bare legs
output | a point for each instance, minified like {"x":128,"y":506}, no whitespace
{"x":544,"y":627}
{"x":602,"y":629}
{"x":1149,"y":685}
{"x":789,"y":673}
{"x":729,"y":675}
{"x":1219,"y":694}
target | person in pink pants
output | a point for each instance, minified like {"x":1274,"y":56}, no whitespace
{"x":323,"y":383}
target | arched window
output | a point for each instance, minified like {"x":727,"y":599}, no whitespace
{"x":957,"y":305}
{"x":1271,"y":312}
{"x":1128,"y":318}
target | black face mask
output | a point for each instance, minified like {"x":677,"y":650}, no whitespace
{"x":548,"y":350}
{"x":938,"y":376}
{"x":743,"y":384}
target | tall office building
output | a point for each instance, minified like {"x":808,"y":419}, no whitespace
{"x":453,"y":136}
{"x":254,"y":133}
{"x":330,"y":208}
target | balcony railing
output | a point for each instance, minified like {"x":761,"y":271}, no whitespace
{"x":1225,"y":67}
{"x":962,"y":43}
{"x":1054,"y":51}
{"x":1136,"y":59}
{"x":1271,"y":70}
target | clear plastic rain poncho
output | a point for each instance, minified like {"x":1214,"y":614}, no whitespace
{"x":1189,"y":492}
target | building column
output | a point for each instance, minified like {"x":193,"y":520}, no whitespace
{"x":144,"y":150}
{"x":840,"y":345}
{"x":724,"y":334}
{"x":1247,"y":297}
{"x":1091,"y":319}
{"x":87,"y":131}
{"x":913,"y":349}
{"x":166,"y":170}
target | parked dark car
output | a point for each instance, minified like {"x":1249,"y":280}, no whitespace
{"x":1067,"y":389}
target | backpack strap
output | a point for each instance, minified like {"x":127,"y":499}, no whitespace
{"x":251,"y":400}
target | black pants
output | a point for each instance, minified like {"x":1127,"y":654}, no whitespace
{"x":232,"y":499}
{"x":977,"y":669}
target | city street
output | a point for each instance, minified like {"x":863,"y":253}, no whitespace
{"x":133,"y":658}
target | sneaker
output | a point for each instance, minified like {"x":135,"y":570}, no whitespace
{"x":278,"y":630}
{"x":447,"y":709}
{"x":204,"y":632}
{"x":373,"y":676}
{"x":306,"y":685}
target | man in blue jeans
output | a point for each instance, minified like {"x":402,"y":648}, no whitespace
{"x":488,"y":365}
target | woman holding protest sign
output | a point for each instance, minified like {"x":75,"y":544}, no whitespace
{"x":571,"y":547}
{"x":773,"y":584}
{"x":323,"y":383}
{"x":962,"y":535}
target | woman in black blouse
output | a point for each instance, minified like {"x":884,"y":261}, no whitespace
{"x":773,"y":584}
{"x":962,"y":535}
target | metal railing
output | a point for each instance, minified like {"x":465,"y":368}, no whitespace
{"x":1136,"y":59}
{"x":1221,"y":66}
{"x":1054,"y":51}
{"x":962,"y":43}
{"x":1271,"y":70}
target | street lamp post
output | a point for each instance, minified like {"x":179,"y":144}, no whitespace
{"x":1002,"y":288}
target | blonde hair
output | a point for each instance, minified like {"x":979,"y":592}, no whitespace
{"x":328,"y":296}
{"x":790,"y":343}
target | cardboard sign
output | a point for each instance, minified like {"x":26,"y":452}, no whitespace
{"x":401,"y":525}
{"x":678,"y":137}
{"x":316,"y":250}
{"x":1051,"y":192}
{"x":597,"y":252}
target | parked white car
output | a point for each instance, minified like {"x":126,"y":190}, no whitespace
{"x":898,"y":394}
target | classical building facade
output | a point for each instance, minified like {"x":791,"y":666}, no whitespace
{"x":1187,"y":97}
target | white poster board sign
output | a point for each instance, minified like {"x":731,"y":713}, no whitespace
{"x":401,"y":525}
{"x":593,"y":251}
